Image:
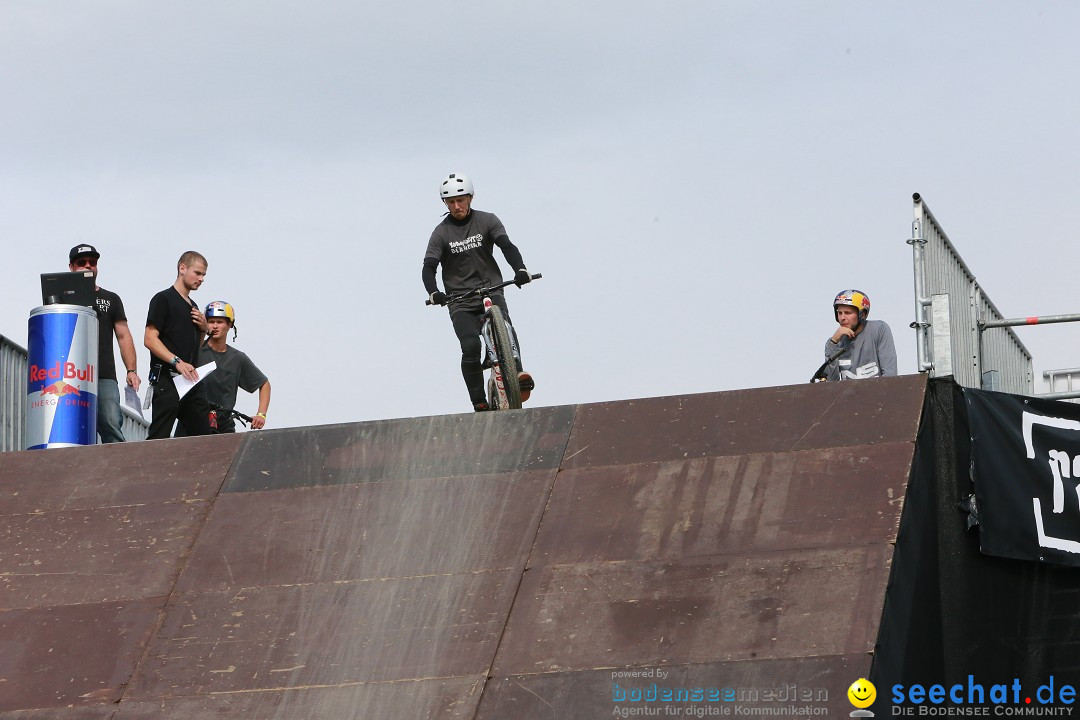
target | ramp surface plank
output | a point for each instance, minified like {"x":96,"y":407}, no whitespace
{"x":99,"y":712}
{"x":115,"y":475}
{"x":806,"y":682}
{"x":444,"y":446}
{"x":438,"y":699}
{"x":327,"y":634}
{"x":386,"y":529}
{"x":725,"y":505}
{"x":743,"y":422}
{"x":71,"y":654}
{"x":97,"y":555}
{"x":769,"y":605}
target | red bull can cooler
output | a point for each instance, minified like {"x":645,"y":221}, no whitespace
{"x":61,"y":386}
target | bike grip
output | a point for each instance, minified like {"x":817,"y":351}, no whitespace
{"x":427,"y":302}
{"x":537,"y":276}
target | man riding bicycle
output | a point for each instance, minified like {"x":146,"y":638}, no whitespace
{"x":463,"y":243}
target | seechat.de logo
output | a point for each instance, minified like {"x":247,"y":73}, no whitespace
{"x":862,"y":694}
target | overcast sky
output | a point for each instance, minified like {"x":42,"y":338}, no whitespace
{"x":695,"y":180}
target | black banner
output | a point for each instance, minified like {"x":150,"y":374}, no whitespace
{"x":1025,"y":456}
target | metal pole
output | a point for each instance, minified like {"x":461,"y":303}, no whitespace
{"x":1060,"y":395}
{"x":975,"y":304}
{"x":918,"y":249}
{"x":1034,"y":320}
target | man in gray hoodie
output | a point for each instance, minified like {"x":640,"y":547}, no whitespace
{"x":868,"y":343}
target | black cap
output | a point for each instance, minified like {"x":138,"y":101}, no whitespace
{"x":81,"y":250}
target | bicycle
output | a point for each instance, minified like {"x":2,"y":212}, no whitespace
{"x":234,"y":414}
{"x":500,"y":348}
{"x":819,"y":376}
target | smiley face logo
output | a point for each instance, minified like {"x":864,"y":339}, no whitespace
{"x":862,"y":693}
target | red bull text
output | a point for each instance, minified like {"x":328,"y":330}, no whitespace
{"x":61,"y":384}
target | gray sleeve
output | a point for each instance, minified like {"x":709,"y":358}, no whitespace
{"x":435,"y":247}
{"x":251,"y":378}
{"x":886,"y":351}
{"x":495,"y":229}
{"x":832,"y":372}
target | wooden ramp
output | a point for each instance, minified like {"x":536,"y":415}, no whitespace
{"x":533,"y":564}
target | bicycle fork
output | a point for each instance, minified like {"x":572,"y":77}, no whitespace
{"x":491,"y":360}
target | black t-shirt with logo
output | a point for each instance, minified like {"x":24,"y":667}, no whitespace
{"x":110,"y":310}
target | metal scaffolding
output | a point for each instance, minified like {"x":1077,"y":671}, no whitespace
{"x":959,"y":330}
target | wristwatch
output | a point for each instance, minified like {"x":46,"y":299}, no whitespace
{"x":175,"y":360}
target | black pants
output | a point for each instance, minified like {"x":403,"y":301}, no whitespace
{"x":225,"y":424}
{"x":192,"y":411}
{"x":467,"y":323}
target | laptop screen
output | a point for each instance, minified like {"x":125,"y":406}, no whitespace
{"x":68,"y":288}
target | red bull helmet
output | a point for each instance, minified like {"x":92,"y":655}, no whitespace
{"x":856,"y":299}
{"x":220,"y":308}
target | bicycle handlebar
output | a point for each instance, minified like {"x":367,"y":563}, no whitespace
{"x":458,"y":297}
{"x":820,"y":374}
{"x":233,"y":413}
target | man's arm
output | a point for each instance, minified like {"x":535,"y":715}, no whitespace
{"x":433,"y":257}
{"x":886,"y":351}
{"x":513,"y":256}
{"x":428,"y":275}
{"x":127,"y":352}
{"x":259,"y":420}
{"x":510,"y":252}
{"x":152,"y":341}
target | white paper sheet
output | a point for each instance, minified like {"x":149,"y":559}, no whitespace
{"x":131,"y":399}
{"x":183,"y":385}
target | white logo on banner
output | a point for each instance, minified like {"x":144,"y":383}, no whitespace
{"x":1062,"y":468}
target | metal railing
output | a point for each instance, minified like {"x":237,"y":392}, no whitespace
{"x":12,"y":395}
{"x":959,"y":331}
{"x":1052,"y":376}
{"x":13,"y":360}
{"x":951,"y":337}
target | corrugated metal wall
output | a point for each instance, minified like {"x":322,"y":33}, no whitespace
{"x":12,"y":395}
{"x":13,"y":401}
{"x":941,"y":270}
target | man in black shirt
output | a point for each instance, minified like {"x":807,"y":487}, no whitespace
{"x":112,"y":320}
{"x":463,"y":243}
{"x":174,"y":326}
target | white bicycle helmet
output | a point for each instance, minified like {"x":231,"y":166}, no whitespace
{"x":455,"y":185}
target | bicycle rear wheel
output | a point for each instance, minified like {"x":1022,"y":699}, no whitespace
{"x":504,"y":355}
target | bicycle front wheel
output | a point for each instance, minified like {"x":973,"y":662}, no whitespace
{"x":504,"y":355}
